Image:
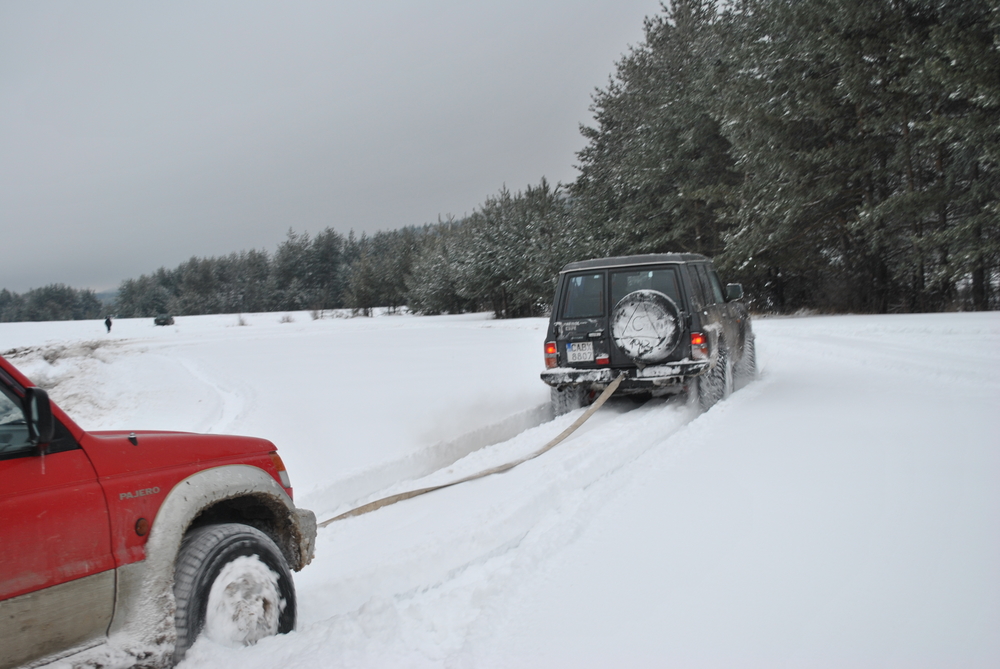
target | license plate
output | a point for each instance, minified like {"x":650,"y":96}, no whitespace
{"x":581,"y":351}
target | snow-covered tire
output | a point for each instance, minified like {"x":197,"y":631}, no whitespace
{"x":241,"y":574}
{"x":645,"y":326}
{"x":746,"y":371}
{"x":717,"y":383}
{"x":568,"y":399}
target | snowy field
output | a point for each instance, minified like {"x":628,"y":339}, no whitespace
{"x":841,"y":511}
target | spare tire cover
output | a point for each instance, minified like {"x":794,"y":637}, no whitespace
{"x":645,"y":325}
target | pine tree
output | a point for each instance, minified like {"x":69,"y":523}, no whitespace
{"x":846,"y":134}
{"x":651,"y":174}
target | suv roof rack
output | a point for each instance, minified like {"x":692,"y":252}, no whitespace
{"x":645,"y":259}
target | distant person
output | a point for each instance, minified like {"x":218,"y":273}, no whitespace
{"x":107,"y":323}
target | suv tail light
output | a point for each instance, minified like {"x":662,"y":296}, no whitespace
{"x":699,"y":346}
{"x":551,"y":359}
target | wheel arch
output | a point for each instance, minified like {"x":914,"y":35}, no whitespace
{"x":261,"y":511}
{"x":144,"y":607}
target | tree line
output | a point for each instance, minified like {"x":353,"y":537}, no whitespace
{"x":838,"y":155}
{"x":55,"y":302}
{"x":503,"y":258}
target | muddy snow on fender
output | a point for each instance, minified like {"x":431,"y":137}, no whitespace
{"x":842,"y":510}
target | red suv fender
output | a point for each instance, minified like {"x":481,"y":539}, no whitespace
{"x":144,"y":600}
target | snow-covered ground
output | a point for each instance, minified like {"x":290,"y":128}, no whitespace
{"x":841,"y":511}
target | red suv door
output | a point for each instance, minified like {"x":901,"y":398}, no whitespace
{"x":56,"y":569}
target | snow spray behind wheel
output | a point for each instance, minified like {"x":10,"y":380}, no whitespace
{"x":392,"y":499}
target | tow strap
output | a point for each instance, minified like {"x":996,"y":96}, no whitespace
{"x":392,"y":499}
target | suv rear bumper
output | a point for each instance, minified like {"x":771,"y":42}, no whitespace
{"x":647,"y":378}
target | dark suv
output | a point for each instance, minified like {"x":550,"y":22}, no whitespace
{"x":662,"y":319}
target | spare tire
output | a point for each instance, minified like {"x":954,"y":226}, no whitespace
{"x":645,"y":325}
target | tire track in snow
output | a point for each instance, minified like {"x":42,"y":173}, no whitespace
{"x":443,"y":560}
{"x":231,"y":403}
{"x":482,"y":525}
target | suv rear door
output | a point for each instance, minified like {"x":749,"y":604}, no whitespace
{"x":581,"y":332}
{"x":661,"y":278}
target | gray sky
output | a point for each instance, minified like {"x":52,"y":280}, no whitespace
{"x":135,"y":135}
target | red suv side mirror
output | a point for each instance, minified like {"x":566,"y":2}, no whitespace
{"x":38,"y":411}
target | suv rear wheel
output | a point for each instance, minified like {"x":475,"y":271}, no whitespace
{"x":232,"y":582}
{"x":570,"y":398}
{"x":746,"y":371}
{"x":717,"y":383}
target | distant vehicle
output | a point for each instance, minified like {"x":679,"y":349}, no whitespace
{"x":163,"y":319}
{"x":662,"y":319}
{"x":149,"y":537}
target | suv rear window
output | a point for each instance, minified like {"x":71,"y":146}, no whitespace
{"x":663,"y":280}
{"x":584,"y":296}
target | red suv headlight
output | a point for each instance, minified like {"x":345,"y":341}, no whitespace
{"x":282,"y":472}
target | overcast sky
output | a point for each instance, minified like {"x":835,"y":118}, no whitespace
{"x":136,"y":135}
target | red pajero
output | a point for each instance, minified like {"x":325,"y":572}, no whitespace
{"x":138,"y":541}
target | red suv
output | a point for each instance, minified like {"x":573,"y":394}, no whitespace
{"x":139,"y":541}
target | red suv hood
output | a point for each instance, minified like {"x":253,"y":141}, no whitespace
{"x":114,"y":453}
